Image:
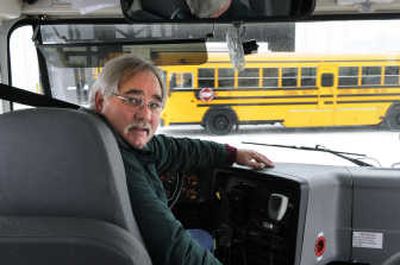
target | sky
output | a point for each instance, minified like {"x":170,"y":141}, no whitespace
{"x":348,"y":37}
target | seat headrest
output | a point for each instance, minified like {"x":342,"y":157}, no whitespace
{"x":59,"y":162}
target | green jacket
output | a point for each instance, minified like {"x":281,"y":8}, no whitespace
{"x":167,"y":242}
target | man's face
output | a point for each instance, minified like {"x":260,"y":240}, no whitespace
{"x":134,"y":112}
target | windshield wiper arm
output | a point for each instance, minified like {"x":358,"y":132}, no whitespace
{"x":320,"y":148}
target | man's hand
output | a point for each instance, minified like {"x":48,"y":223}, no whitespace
{"x":252,"y":159}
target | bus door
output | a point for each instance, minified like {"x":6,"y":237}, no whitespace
{"x":327,"y":93}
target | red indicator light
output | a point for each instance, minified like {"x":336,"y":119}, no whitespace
{"x":320,"y":246}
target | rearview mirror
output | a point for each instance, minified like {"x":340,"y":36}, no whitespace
{"x":215,"y":10}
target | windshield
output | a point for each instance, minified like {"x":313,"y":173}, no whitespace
{"x":323,"y":83}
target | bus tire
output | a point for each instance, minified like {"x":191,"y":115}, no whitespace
{"x":220,"y":121}
{"x":393,"y":117}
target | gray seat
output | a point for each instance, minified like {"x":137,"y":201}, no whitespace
{"x":63,"y":193}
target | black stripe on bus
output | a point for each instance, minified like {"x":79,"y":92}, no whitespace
{"x":288,"y":88}
{"x":281,"y":88}
{"x":259,"y":104}
{"x":246,"y":89}
{"x":303,"y":61}
{"x":265,"y":97}
{"x":323,"y":96}
{"x":296,"y":103}
{"x":272,"y":97}
{"x":364,"y":101}
{"x":369,"y":95}
{"x":369,"y":87}
{"x":358,"y":101}
{"x":306,"y":96}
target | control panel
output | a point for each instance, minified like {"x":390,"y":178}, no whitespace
{"x":252,"y":216}
{"x":255,"y":219}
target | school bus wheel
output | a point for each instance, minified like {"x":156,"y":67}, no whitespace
{"x":393,"y":117}
{"x":220,"y":121}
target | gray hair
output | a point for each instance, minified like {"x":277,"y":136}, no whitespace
{"x":116,"y":70}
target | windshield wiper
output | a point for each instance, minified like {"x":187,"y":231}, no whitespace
{"x":320,"y":148}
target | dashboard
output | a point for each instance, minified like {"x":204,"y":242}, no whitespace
{"x":254,"y":216}
{"x":293,"y":214}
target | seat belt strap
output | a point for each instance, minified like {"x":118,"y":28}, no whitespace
{"x":21,"y":96}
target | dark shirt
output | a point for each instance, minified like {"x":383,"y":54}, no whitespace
{"x":166,"y":240}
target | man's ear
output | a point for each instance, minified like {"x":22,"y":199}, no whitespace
{"x":99,"y":100}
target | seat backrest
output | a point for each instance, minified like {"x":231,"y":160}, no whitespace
{"x":63,"y":165}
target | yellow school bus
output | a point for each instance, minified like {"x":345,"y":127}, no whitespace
{"x":293,"y":90}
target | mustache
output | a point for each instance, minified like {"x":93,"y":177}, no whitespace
{"x":137,"y":125}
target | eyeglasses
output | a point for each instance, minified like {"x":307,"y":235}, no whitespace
{"x":154,"y":106}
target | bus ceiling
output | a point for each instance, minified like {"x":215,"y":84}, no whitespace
{"x":163,"y":10}
{"x":194,"y":11}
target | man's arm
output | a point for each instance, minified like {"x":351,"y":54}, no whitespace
{"x":184,"y":154}
{"x":187,"y":155}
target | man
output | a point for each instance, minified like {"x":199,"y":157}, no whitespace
{"x":129,"y":94}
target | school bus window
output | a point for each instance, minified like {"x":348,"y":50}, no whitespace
{"x":270,"y":77}
{"x":206,"y":77}
{"x":392,"y":75}
{"x":308,"y":76}
{"x":248,"y":77}
{"x":181,"y":80}
{"x":348,"y":76}
{"x":371,"y":75}
{"x":226,"y":77}
{"x":327,"y":80}
{"x":289,"y":77}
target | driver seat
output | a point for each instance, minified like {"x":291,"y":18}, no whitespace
{"x":63,"y":193}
